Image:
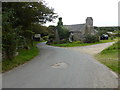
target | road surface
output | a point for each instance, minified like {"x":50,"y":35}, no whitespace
{"x":57,"y":67}
{"x":92,"y":49}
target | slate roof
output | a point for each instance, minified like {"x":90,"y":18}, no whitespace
{"x":74,"y":27}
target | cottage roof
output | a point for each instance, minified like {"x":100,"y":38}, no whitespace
{"x":74,"y":27}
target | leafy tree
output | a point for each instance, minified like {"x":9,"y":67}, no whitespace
{"x":51,"y":31}
{"x":62,"y":31}
{"x":9,"y":35}
{"x":18,"y":18}
{"x":37,"y":28}
{"x":51,"y":35}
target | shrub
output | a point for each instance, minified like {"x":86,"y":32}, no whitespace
{"x":112,"y":37}
{"x":76,"y":42}
{"x":45,"y":38}
{"x":54,"y":42}
{"x":91,"y":39}
{"x":63,"y":41}
{"x":41,"y":39}
{"x":63,"y":33}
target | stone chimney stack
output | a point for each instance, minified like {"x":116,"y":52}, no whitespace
{"x":89,"y":26}
{"x":89,"y":21}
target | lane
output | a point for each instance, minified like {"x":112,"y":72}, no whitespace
{"x":81,"y":71}
{"x":92,"y":49}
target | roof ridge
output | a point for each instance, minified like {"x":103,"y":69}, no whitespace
{"x":75,"y":24}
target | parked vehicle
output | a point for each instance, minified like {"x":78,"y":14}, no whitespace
{"x":104,"y":37}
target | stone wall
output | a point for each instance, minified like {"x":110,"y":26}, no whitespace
{"x":80,"y":30}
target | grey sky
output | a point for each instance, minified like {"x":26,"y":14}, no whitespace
{"x":104,"y":12}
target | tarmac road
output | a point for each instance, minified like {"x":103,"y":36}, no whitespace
{"x":92,"y":49}
{"x":57,"y":67}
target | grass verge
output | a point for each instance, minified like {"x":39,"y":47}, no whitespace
{"x":23,"y":57}
{"x":109,"y":57}
{"x":81,"y":44}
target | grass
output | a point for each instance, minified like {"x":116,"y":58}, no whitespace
{"x":82,"y":44}
{"x":23,"y":57}
{"x":109,"y":57}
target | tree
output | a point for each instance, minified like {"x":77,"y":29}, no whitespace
{"x":9,"y":34}
{"x":18,"y":18}
{"x":62,"y":31}
{"x":51,"y":35}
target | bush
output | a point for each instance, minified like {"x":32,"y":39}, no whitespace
{"x":91,"y":39}
{"x":45,"y":38}
{"x":54,"y":42}
{"x":63,"y":33}
{"x":112,"y":37}
{"x":76,"y":42}
{"x":63,"y":41}
{"x":41,"y":39}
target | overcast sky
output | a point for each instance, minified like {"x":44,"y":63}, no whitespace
{"x":103,"y":12}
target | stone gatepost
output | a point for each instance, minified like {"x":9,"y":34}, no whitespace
{"x":57,"y":39}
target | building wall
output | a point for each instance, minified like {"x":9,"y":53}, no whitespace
{"x":76,"y":36}
{"x":88,"y":28}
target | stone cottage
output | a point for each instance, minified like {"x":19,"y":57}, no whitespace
{"x":78,"y":31}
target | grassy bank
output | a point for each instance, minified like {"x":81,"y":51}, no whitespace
{"x":109,"y":57}
{"x":23,"y":57}
{"x":81,"y":44}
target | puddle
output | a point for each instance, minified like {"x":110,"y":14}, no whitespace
{"x":59,"y":65}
